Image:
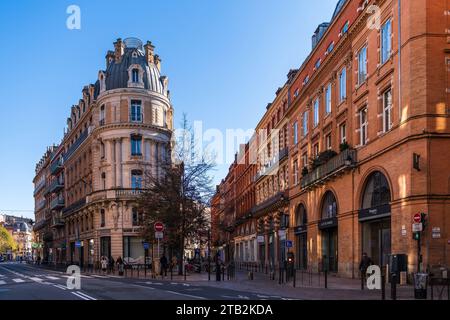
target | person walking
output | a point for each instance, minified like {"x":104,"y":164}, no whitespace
{"x":163,"y":263}
{"x":120,"y":265}
{"x":365,"y":263}
{"x":111,"y":264}
{"x":104,"y":264}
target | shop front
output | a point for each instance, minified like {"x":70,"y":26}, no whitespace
{"x":328,"y":227}
{"x":375,"y":219}
{"x":301,"y":239}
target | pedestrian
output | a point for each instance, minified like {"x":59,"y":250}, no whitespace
{"x":365,"y":263}
{"x":104,"y":263}
{"x":163,"y":263}
{"x":120,"y":265}
{"x":111,"y":264}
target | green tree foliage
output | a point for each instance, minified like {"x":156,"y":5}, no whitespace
{"x":6,"y":241}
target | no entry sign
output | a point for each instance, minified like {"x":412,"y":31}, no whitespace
{"x":159,"y":227}
{"x":417,"y":218}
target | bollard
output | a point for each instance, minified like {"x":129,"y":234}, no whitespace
{"x":362,"y":281}
{"x":383,"y":287}
{"x":326,"y":279}
{"x":394,"y":286}
{"x":223,"y":274}
{"x":294,"y":277}
{"x":171,"y":273}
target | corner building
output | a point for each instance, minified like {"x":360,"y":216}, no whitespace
{"x":371,"y":103}
{"x":119,"y":132}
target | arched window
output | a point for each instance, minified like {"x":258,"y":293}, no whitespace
{"x":300,"y":216}
{"x":135,"y":75}
{"x":329,"y":207}
{"x":376,"y":192}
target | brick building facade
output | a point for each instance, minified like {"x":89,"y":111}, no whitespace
{"x":369,"y":136}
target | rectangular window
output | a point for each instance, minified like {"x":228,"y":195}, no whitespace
{"x":328,"y":99}
{"x":316,"y":112}
{"x":102,"y":218}
{"x":343,"y":132}
{"x":295,"y":132}
{"x":363,"y":126}
{"x":305,"y":124}
{"x":136,"y":143}
{"x":362,"y":65}
{"x":386,"y":32}
{"x":135,"y":217}
{"x":318,"y":62}
{"x":136,"y":179}
{"x":295,"y":173}
{"x":387,"y":110}
{"x":136,"y":111}
{"x":343,"y":85}
{"x":102,"y":115}
{"x":345,"y":28}
{"x":305,"y":160}
{"x":328,"y":142}
{"x":316,"y":150}
{"x":330,"y":47}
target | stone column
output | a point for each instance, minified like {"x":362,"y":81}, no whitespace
{"x":111,"y":178}
{"x":266,"y":241}
{"x":277,"y":252}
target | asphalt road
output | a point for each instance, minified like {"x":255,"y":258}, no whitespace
{"x":27,"y":282}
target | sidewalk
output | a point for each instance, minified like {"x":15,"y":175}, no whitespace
{"x":308,"y":288}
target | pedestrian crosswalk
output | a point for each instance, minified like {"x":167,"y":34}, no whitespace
{"x":43,"y":278}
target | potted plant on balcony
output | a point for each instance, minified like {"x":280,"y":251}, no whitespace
{"x":305,"y":171}
{"x":323,"y":158}
{"x":344,"y":146}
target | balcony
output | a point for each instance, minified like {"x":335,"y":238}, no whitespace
{"x":335,"y":166}
{"x":57,"y":222}
{"x":272,"y":165}
{"x":74,"y":147}
{"x":39,"y":187}
{"x":40,"y":205}
{"x":74,"y":207}
{"x":56,"y":185}
{"x":39,"y":225}
{"x":56,"y":166}
{"x":271,"y":204}
{"x":57,"y":204}
{"x":128,"y":193}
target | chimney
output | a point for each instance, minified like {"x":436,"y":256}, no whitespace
{"x":119,"y":49}
{"x":158,"y":62}
{"x":109,"y":58}
{"x":149,"y":52}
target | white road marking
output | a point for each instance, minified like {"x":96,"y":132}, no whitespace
{"x":51,"y":278}
{"x":186,"y":295}
{"x":36,"y":279}
{"x":85,"y":295}
{"x":2,"y":282}
{"x":18,"y":280}
{"x":79,"y":296}
{"x":59,"y":286}
{"x":99,"y":276}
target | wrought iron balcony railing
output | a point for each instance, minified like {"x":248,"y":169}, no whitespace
{"x":74,"y":147}
{"x":57,"y":203}
{"x":346,"y":159}
{"x":273,"y":164}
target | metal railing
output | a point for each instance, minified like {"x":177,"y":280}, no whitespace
{"x":57,"y":203}
{"x":345,"y":159}
{"x":74,"y":147}
{"x":273,"y":164}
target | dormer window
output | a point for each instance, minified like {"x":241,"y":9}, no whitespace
{"x":318,"y":62}
{"x":135,"y":75}
{"x":330,"y":48}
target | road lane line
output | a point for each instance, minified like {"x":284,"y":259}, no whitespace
{"x":18,"y":280}
{"x":2,"y":282}
{"x":79,"y":296}
{"x":36,"y":279}
{"x":59,"y":286}
{"x":186,"y":295}
{"x":52,"y":278}
{"x":85,"y":295}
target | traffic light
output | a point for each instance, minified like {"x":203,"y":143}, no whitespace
{"x":424,"y":219}
{"x":416,"y":236}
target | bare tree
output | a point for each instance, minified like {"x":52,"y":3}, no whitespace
{"x":179,"y":196}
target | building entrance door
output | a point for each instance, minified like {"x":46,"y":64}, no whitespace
{"x":330,"y":249}
{"x":302,"y":251}
{"x":105,"y":247}
{"x":377,"y":240}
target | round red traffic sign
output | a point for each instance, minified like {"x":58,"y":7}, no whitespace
{"x":159,"y":227}
{"x":417,"y":218}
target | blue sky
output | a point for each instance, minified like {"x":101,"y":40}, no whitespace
{"x":224,"y":60}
